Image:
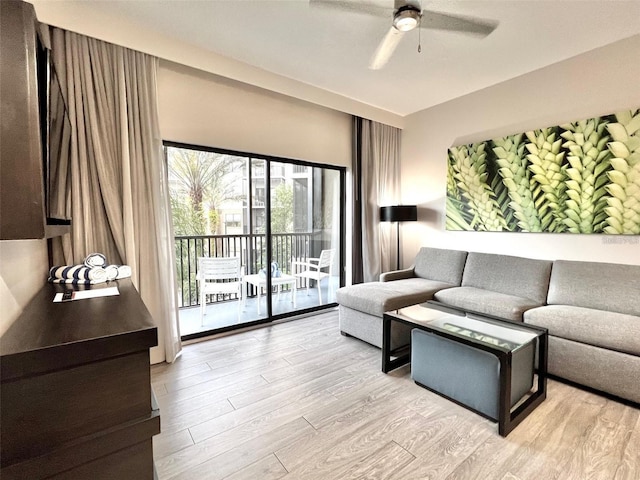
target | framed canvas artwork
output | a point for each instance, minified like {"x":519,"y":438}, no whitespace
{"x":580,"y":177}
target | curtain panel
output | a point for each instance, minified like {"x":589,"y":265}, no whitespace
{"x":376,"y":182}
{"x":117,"y":195}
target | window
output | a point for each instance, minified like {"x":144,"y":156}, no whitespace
{"x":233,"y":219}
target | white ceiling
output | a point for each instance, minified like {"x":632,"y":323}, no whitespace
{"x":331,"y":49}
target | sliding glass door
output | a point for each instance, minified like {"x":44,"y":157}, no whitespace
{"x":284,"y":219}
{"x":306,"y":232}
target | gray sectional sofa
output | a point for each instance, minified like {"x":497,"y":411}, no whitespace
{"x":591,"y":310}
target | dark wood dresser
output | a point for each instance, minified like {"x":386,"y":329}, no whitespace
{"x":75,"y":392}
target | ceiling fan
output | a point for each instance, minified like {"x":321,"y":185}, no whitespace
{"x":406,"y":16}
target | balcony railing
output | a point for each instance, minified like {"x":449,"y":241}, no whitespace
{"x":252,"y":249}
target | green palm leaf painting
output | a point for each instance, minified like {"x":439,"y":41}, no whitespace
{"x":579,"y":177}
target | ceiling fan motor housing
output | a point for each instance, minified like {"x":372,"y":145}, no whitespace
{"x":406,"y":18}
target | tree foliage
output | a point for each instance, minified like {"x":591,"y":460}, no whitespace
{"x":282,"y":209}
{"x":200,"y":182}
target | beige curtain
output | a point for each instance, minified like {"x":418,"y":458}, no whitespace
{"x":119,"y":198}
{"x":376,"y":183}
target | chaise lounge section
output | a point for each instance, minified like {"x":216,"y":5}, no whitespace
{"x":361,"y":306}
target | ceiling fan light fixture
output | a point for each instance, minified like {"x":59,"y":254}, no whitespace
{"x":406,"y":18}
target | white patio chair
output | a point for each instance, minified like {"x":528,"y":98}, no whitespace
{"x":313,"y":269}
{"x":218,"y":276}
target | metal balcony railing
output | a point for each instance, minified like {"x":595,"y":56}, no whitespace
{"x":252,"y":249}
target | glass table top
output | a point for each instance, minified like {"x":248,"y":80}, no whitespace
{"x":496,"y":333}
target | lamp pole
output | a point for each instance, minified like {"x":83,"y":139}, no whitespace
{"x":398,"y":245}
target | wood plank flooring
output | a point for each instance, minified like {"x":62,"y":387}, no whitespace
{"x":298,"y":401}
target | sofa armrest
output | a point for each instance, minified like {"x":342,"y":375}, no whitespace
{"x":397,"y":275}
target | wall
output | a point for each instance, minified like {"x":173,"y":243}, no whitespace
{"x":204,"y":109}
{"x":599,"y":82}
{"x":23,"y":271}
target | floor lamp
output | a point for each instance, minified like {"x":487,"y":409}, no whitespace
{"x":399,"y":213}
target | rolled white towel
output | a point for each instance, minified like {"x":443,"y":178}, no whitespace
{"x":95,"y":260}
{"x":77,"y":274}
{"x":98,"y":274}
{"x":124,"y":271}
{"x":112,"y":272}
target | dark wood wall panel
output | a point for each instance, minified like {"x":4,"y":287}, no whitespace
{"x":21,"y":162}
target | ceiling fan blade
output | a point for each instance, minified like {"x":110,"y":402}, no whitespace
{"x":386,"y":48}
{"x":360,"y":7}
{"x":455,"y":23}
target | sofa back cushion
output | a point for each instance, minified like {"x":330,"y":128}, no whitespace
{"x":440,"y":265}
{"x":518,"y":276}
{"x":603,"y":286}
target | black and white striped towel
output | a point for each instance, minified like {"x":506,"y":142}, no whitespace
{"x":77,"y":274}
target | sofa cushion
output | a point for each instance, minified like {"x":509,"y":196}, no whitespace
{"x":612,"y":330}
{"x":375,"y":298}
{"x":487,"y":302}
{"x":517,"y":276}
{"x":440,"y":264}
{"x":603,"y":286}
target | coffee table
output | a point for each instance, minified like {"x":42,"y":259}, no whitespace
{"x":471,"y":358}
{"x":260,"y":282}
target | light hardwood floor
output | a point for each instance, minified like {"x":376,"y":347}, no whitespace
{"x":299,"y":401}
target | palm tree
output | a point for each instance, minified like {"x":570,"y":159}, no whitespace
{"x":200,"y":182}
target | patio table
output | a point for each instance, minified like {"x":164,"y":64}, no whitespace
{"x":260,"y":282}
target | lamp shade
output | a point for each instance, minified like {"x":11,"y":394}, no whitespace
{"x":399,"y":213}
